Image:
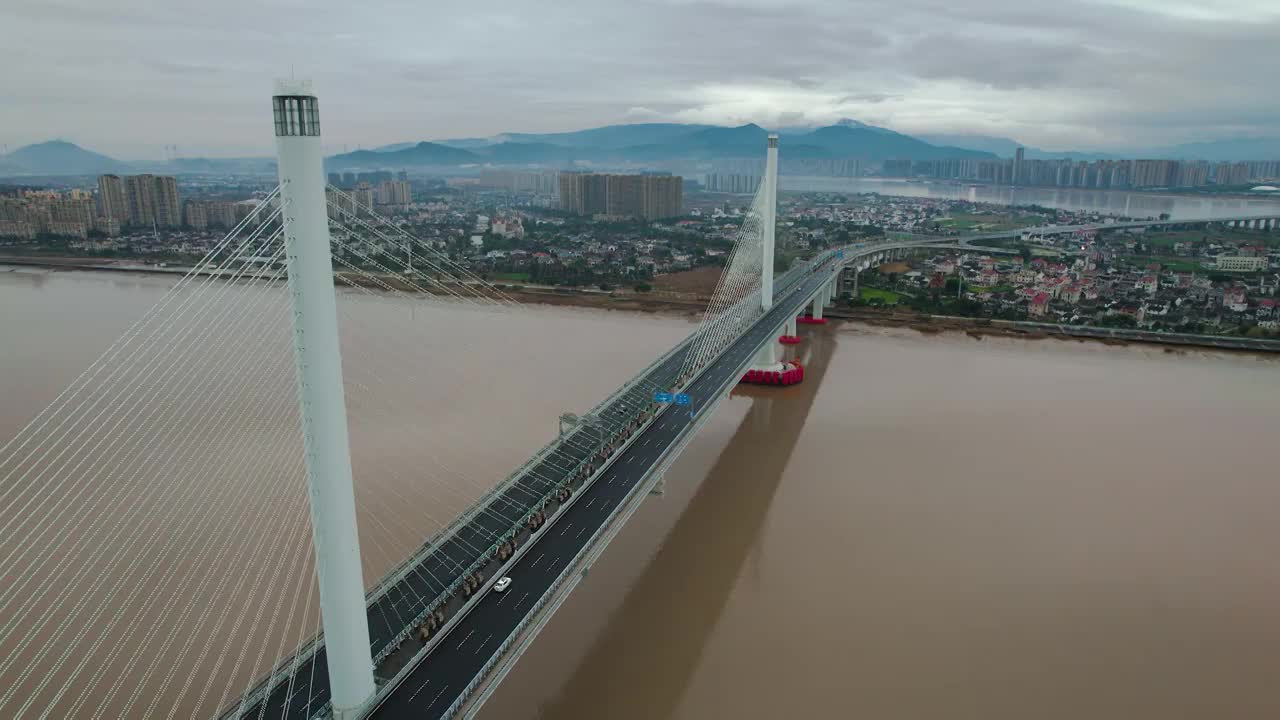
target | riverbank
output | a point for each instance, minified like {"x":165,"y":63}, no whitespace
{"x":693,"y":303}
{"x":659,"y":301}
{"x":979,"y":328}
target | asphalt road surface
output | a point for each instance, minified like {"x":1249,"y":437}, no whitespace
{"x":304,"y":689}
{"x":447,"y":670}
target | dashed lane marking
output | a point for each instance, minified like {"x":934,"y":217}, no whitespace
{"x":465,"y":639}
{"x":437,"y":697}
{"x":420,"y":687}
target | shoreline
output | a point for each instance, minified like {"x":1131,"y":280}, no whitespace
{"x":684,"y":304}
{"x":691,"y":305}
{"x":979,"y":328}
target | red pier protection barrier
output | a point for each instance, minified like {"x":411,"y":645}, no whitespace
{"x":807,"y":320}
{"x":789,"y":340}
{"x":790,"y":373}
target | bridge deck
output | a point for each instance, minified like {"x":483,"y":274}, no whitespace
{"x":303,"y":690}
{"x":447,"y":671}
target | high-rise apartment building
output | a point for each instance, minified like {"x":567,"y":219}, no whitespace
{"x":740,"y":184}
{"x":197,"y":215}
{"x":394,"y":192}
{"x":153,"y":200}
{"x":362,"y":197}
{"x":111,"y":198}
{"x":168,"y":207}
{"x":538,"y":182}
{"x":649,"y":197}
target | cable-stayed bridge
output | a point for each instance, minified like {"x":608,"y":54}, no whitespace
{"x":166,"y":536}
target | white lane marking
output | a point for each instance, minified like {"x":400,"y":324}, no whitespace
{"x":465,"y":639}
{"x":437,"y":697}
{"x":524,"y":597}
{"x":504,"y":598}
{"x":629,"y":459}
{"x":593,"y":502}
{"x":566,"y":528}
{"x":646,"y":442}
{"x":481,"y":646}
{"x":538,"y":560}
{"x":579,"y":533}
{"x":415,"y":692}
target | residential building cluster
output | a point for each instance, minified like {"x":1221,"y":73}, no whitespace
{"x":608,"y":195}
{"x":727,"y":183}
{"x":535,"y":182}
{"x":1111,"y":278}
{"x":135,"y":200}
{"x":1101,"y":174}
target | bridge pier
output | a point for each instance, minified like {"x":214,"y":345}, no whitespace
{"x":660,"y":485}
{"x":790,"y":333}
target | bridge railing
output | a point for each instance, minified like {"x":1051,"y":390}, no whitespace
{"x":785,"y":284}
{"x":596,"y":443}
{"x":404,"y":568}
{"x":794,"y":275}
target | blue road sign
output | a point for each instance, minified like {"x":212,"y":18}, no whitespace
{"x":840,"y":254}
{"x":662,"y":397}
{"x":682,"y":399}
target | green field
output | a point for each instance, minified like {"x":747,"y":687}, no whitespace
{"x":1167,"y":239}
{"x":972,"y":222}
{"x":889,"y":297}
{"x":1174,"y":263}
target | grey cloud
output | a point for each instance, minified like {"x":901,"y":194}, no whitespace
{"x":1075,"y":72}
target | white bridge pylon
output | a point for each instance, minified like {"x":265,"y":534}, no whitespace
{"x":767,"y":359}
{"x":744,"y":291}
{"x":322,"y":399}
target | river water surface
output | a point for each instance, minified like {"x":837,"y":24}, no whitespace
{"x":928,"y":527}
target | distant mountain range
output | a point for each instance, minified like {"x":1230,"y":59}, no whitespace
{"x":57,"y":157}
{"x":1005,"y":147}
{"x":666,"y":145}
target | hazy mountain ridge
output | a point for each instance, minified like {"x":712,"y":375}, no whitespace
{"x":629,"y":144}
{"x":59,"y":157}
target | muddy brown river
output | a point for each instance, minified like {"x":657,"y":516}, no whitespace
{"x":928,"y":527}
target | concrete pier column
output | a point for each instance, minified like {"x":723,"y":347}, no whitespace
{"x":791,"y":328}
{"x":817,"y":307}
{"x":767,"y":357}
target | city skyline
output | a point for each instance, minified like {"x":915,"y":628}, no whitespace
{"x":1076,"y":76}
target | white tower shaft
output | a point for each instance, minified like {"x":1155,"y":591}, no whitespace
{"x":321,"y":398}
{"x":770,"y":187}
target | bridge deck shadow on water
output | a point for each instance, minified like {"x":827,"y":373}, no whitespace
{"x":734,"y":499}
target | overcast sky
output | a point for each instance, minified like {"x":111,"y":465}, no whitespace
{"x":126,"y":77}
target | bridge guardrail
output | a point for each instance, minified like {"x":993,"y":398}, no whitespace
{"x":786,"y":283}
{"x":558,"y":583}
